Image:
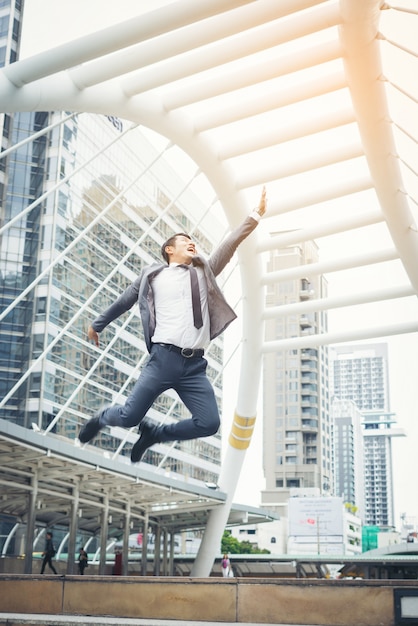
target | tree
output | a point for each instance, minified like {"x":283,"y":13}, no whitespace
{"x":231,"y":545}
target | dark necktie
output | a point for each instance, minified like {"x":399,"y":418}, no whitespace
{"x":194,"y":283}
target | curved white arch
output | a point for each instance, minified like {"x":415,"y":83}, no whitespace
{"x":108,"y":72}
{"x":359,"y":32}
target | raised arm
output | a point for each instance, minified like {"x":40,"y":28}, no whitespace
{"x":224,"y":252}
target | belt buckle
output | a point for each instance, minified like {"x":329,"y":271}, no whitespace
{"x":187,"y":353}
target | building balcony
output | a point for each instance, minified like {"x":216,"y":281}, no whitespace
{"x":308,"y":366}
{"x":305,"y":322}
{"x":306,"y":291}
{"x":307,"y":404}
{"x":310,"y":330}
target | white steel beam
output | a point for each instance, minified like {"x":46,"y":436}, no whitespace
{"x":337,"y":302}
{"x":335,"y":189}
{"x":297,"y":165}
{"x":198,"y":34}
{"x":333,"y":265}
{"x":232,"y":80}
{"x":316,"y":232}
{"x":143,"y":26}
{"x":243,"y":144}
{"x":326,"y":339}
{"x":240,"y":46}
{"x":254,"y":105}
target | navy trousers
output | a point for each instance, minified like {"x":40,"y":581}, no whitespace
{"x":47,"y":560}
{"x":168,"y":369}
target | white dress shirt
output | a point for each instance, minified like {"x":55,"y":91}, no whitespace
{"x":174,"y":311}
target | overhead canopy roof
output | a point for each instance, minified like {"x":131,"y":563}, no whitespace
{"x":59,"y":467}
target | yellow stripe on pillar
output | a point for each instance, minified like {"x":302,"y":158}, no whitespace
{"x":241,"y":432}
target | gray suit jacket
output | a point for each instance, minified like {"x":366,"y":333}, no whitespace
{"x":220,"y":313}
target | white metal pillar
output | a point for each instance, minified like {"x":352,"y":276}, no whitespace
{"x":73,"y":529}
{"x":144,"y":559}
{"x":157,"y":550}
{"x":126,"y":531}
{"x":103,"y":535}
{"x":30,"y":524}
{"x":245,"y":415}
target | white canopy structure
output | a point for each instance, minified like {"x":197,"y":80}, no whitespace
{"x":315,"y":99}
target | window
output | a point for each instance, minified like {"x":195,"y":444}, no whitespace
{"x":291,"y":434}
{"x":15,"y":33}
{"x":4,"y":25}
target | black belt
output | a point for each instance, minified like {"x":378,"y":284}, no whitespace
{"x":188,"y":353}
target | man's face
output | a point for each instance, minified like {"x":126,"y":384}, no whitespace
{"x":182,"y":251}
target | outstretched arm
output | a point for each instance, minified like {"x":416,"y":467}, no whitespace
{"x":125,"y":301}
{"x":262,"y":205}
{"x":223,"y":254}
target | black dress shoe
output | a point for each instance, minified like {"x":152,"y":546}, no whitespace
{"x":90,"y":429}
{"x":149,"y":436}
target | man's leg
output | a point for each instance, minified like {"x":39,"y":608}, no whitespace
{"x":152,"y":381}
{"x":197,"y":393}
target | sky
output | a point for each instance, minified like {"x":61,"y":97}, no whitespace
{"x":49,"y":23}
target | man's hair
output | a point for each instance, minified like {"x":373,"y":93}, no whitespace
{"x":171,"y":242}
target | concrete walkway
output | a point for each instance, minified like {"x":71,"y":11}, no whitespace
{"x":22,"y":619}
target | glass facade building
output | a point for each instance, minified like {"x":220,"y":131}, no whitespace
{"x":13,"y":347}
{"x":10,"y":28}
{"x":11,"y":13}
{"x":87,"y":204}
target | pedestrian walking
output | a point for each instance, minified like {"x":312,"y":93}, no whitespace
{"x":82,"y":561}
{"x":226,"y":566}
{"x":48,"y":554}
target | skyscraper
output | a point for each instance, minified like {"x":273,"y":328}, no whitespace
{"x":297,"y":433}
{"x":88,"y":203}
{"x":10,"y":29}
{"x":360,"y":374}
{"x":19,"y":178}
{"x":348,"y":453}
